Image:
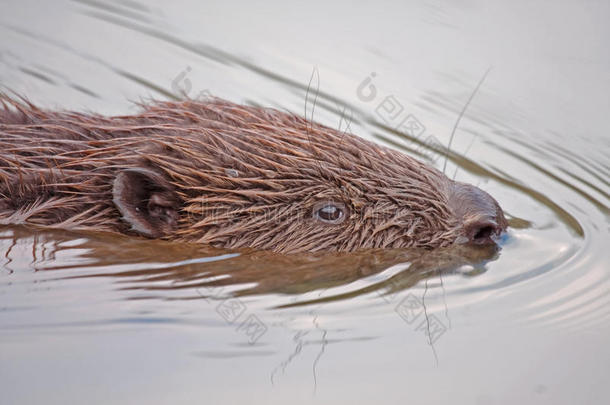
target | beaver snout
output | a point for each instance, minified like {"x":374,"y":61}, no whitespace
{"x":481,"y":218}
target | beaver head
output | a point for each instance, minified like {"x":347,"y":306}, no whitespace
{"x":230,"y":176}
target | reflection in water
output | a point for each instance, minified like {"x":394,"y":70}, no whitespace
{"x":206,"y":272}
{"x":221,"y":276}
{"x":298,"y":339}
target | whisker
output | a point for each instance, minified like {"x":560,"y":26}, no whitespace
{"x":465,"y":153}
{"x":310,"y":122}
{"x":457,"y":122}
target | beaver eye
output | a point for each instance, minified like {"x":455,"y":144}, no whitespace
{"x":330,"y":213}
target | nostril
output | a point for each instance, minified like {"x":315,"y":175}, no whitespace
{"x":483,"y":233}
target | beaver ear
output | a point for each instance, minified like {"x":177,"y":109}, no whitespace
{"x":146,"y":202}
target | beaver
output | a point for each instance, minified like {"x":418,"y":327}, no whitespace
{"x":231,"y":176}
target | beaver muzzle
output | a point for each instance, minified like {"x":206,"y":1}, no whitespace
{"x":481,"y":218}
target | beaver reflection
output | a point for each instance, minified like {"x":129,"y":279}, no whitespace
{"x":157,"y":267}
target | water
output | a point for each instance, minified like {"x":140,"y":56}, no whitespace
{"x":106,"y":319}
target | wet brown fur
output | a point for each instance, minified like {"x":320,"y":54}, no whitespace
{"x":243,"y":177}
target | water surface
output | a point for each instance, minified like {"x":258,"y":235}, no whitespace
{"x":107,"y":319}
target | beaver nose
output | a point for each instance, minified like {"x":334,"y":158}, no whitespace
{"x":480,"y":214}
{"x":482,"y":231}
